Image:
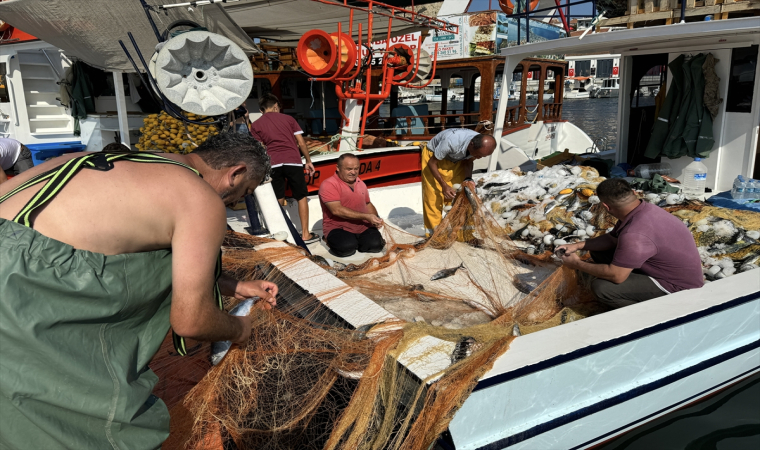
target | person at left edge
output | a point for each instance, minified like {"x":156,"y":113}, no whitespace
{"x":99,"y":254}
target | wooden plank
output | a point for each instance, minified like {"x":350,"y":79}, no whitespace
{"x":667,"y":5}
{"x":715,"y":9}
{"x":660,"y":15}
{"x":633,"y":7}
{"x":740,"y":6}
{"x":690,"y":4}
{"x":648,"y":6}
{"x":709,"y":2}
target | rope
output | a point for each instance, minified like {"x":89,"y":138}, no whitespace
{"x":351,"y":140}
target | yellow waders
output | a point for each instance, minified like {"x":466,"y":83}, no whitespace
{"x":432,"y":193}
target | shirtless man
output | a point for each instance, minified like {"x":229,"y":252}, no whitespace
{"x":92,"y":280}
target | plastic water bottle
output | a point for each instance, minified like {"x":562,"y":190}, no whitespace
{"x":694,"y":178}
{"x":739,"y":191}
{"x":650,"y":170}
{"x":755,"y":189}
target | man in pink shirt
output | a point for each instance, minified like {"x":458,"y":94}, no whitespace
{"x":649,"y":253}
{"x":281,"y":135}
{"x":350,"y":220}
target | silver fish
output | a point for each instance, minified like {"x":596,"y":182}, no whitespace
{"x":220,"y":349}
{"x":445,"y":273}
{"x":549,"y":207}
{"x":471,"y":198}
{"x":516,"y":330}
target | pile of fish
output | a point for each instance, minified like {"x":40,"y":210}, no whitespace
{"x":557,"y":205}
{"x":725,"y":248}
{"x":552,"y":206}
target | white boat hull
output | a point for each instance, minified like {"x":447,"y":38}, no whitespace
{"x":576,"y":94}
{"x":579,"y":384}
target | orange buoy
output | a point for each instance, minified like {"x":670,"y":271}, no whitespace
{"x":508,"y":7}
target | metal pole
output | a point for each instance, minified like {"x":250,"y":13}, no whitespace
{"x":253,"y":217}
{"x":593,"y":14}
{"x":683,"y":11}
{"x":518,"y":23}
{"x":527,"y":24}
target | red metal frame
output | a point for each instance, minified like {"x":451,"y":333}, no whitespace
{"x":349,"y":87}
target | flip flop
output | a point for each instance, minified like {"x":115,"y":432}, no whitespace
{"x":314,"y":238}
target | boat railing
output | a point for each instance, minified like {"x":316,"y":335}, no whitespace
{"x":429,"y":124}
{"x":552,"y":111}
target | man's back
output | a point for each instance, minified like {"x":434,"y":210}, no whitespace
{"x":277,"y":131}
{"x":9,"y":152}
{"x":660,"y":245}
{"x":134,"y":207}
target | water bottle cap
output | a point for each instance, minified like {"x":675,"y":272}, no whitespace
{"x":697,"y":159}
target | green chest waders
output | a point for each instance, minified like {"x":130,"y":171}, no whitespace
{"x":77,"y":330}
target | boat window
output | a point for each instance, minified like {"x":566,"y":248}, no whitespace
{"x":741,"y":79}
{"x":604,"y":68}
{"x":583,"y":68}
{"x":3,"y":85}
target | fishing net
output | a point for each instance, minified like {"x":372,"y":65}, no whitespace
{"x":306,"y":380}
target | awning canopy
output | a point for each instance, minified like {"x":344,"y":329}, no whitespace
{"x":650,"y":39}
{"x":89,"y":30}
{"x":285,"y":21}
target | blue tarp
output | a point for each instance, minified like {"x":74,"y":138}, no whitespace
{"x":724,"y":200}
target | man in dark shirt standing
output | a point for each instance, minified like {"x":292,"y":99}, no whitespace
{"x":649,"y":253}
{"x":283,"y":139}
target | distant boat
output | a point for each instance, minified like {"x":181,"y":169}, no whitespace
{"x":610,"y":88}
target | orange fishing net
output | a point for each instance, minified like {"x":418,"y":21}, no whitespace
{"x":306,"y":380}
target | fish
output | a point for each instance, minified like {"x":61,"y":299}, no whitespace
{"x":445,"y":273}
{"x":220,"y":349}
{"x":319,"y":260}
{"x":462,"y":349}
{"x":518,"y":234}
{"x":471,"y":198}
{"x":516,"y":330}
{"x":551,"y":205}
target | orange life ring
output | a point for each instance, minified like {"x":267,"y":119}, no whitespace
{"x":508,"y":7}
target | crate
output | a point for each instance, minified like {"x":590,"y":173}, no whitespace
{"x":43,"y":152}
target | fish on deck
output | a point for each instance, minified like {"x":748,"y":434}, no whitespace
{"x":445,"y":273}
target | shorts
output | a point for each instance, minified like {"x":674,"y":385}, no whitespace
{"x":295,"y":178}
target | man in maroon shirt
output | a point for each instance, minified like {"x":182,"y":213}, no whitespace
{"x":649,"y":253}
{"x":350,"y":220}
{"x":281,"y":135}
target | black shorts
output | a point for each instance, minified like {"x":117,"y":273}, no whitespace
{"x":296,"y":181}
